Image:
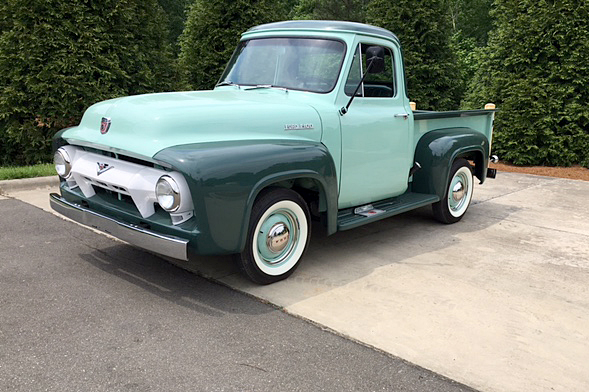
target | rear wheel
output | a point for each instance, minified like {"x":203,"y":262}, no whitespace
{"x":458,"y":194}
{"x":278,"y":235}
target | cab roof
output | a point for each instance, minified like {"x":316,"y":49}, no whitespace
{"x":326,"y":25}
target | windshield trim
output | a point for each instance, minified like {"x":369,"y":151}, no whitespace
{"x":339,"y":72}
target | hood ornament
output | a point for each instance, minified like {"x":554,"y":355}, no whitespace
{"x":104,"y":125}
{"x":102,"y":167}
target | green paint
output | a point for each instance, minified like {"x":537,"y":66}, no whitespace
{"x":275,"y":259}
{"x":226,"y":177}
{"x":437,"y":150}
{"x":376,"y":144}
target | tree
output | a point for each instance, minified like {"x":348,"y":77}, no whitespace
{"x":59,"y":56}
{"x":536,"y":69}
{"x":471,"y":22}
{"x":176,"y":16}
{"x":471,"y":18}
{"x":350,"y":10}
{"x":431,"y":70}
{"x":212,"y":32}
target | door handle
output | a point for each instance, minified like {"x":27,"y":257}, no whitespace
{"x":404,"y":115}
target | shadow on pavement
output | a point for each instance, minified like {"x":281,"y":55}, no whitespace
{"x":158,"y":277}
{"x":329,"y":263}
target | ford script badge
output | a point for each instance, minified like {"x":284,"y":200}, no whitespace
{"x":102,"y":167}
{"x":298,"y":127}
{"x":104,"y":125}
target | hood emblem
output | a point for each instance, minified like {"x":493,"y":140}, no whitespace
{"x":102,"y":167}
{"x":104,"y":125}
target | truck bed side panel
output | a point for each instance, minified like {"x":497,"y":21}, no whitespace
{"x":477,"y":120}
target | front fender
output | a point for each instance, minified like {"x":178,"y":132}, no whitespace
{"x":437,"y":150}
{"x":226,"y":177}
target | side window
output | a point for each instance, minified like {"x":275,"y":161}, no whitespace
{"x":376,"y":85}
{"x":355,"y":75}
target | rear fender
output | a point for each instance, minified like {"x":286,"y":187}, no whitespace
{"x":437,"y":150}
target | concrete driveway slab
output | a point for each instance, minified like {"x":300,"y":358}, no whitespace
{"x":499,"y":301}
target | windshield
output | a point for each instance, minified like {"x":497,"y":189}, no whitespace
{"x":310,"y":64}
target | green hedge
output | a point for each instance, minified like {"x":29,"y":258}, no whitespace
{"x":536,"y":69}
{"x":57,"y":57}
{"x":431,"y":68}
{"x":212,"y":32}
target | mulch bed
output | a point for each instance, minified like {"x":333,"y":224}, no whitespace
{"x":573,"y":173}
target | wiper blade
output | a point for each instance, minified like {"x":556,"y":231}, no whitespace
{"x":266,"y":86}
{"x":260,"y":86}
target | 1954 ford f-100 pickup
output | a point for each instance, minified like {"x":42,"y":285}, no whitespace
{"x":309,"y":120}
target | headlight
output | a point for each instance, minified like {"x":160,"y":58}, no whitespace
{"x":168,"y":193}
{"x":63,"y":163}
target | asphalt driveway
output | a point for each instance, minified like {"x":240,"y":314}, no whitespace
{"x":80,"y":312}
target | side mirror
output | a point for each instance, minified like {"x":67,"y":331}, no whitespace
{"x":374,"y":64}
{"x":375,"y":59}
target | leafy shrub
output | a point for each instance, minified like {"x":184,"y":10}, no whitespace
{"x":350,"y":10}
{"x":536,"y":69}
{"x":431,"y":70}
{"x":59,"y":56}
{"x":213,"y":29}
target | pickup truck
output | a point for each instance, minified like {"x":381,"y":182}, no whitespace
{"x":309,"y":121}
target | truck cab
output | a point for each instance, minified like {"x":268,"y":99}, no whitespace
{"x":371,"y":143}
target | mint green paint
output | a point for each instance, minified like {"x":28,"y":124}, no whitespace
{"x":146,"y":124}
{"x":376,"y":145}
{"x":458,"y":179}
{"x":478,"y":120}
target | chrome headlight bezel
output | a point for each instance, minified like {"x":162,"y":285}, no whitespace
{"x":63,"y":163}
{"x":167,"y":193}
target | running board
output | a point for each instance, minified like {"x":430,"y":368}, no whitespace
{"x":350,"y":218}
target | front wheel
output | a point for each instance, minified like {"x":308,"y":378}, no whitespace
{"x":458,"y":194}
{"x":278,"y":235}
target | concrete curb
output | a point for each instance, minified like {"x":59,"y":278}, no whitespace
{"x":27,"y":184}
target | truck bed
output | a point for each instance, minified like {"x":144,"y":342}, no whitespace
{"x":480,"y":120}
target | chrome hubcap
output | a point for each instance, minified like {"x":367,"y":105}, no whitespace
{"x":278,"y":237}
{"x":458,"y":191}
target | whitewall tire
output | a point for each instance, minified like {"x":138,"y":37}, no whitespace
{"x":458,"y":193}
{"x":278,"y":235}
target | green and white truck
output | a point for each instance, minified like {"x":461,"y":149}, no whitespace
{"x":310,"y":120}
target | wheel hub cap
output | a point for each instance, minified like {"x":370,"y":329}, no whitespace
{"x":278,"y":237}
{"x":458,"y":191}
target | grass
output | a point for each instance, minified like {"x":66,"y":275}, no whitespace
{"x":42,"y":170}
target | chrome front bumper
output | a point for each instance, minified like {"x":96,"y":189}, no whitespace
{"x":171,"y":246}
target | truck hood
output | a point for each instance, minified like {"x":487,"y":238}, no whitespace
{"x":145,"y":124}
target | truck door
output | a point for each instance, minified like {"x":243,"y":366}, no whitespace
{"x":376,"y":155}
